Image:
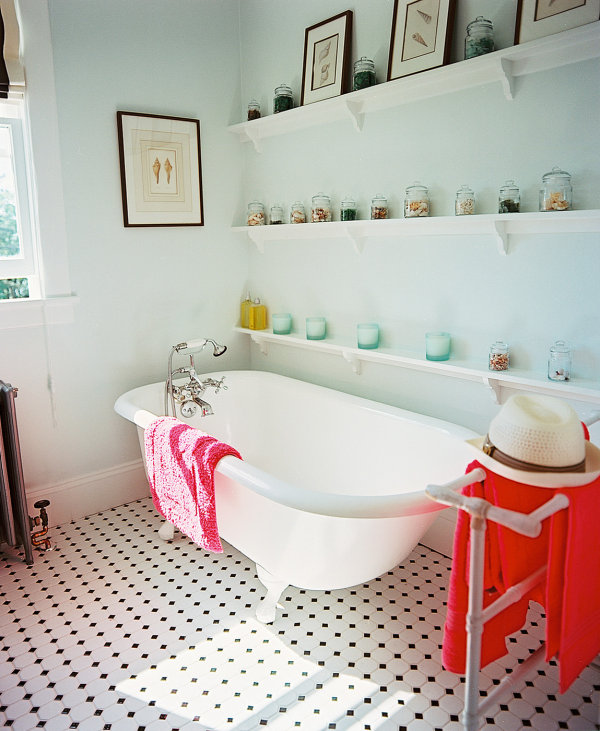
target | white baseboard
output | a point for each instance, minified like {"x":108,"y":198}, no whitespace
{"x":91,"y":493}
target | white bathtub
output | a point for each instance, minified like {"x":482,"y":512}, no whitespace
{"x":330,"y":492}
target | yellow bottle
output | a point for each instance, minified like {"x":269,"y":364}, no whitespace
{"x":245,"y":311}
{"x":258,"y":316}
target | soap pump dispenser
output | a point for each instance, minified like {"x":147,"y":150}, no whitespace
{"x":245,"y":311}
{"x":258,"y":316}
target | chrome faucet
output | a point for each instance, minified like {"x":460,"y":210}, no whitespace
{"x":189,"y":395}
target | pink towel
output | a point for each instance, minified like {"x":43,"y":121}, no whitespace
{"x":181,"y":462}
{"x":571,"y":596}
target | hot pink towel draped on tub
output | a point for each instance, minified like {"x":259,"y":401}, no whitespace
{"x":181,"y":462}
{"x":569,"y":544}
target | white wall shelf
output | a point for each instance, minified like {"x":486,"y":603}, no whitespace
{"x":497,"y":381}
{"x":498,"y":225}
{"x":503,"y":67}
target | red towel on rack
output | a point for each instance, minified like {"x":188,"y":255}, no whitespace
{"x":573,"y":624}
{"x":571,"y":595}
{"x":181,"y":462}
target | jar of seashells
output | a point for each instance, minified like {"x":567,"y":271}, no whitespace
{"x":256,"y":214}
{"x":379,"y":207}
{"x":283,"y":99}
{"x":416,"y":202}
{"x":297,"y":213}
{"x":556,"y":193}
{"x":480,"y":37}
{"x":321,"y":208}
{"x":465,"y":201}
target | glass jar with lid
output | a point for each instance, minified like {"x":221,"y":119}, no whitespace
{"x":509,"y":200}
{"x":364,"y":74}
{"x":253,"y":110}
{"x":379,"y":207}
{"x":297,"y":212}
{"x":556,"y":193}
{"x":321,"y":208}
{"x":283,"y":99}
{"x":256,"y":214}
{"x":465,"y":201}
{"x":416,"y":202}
{"x":499,"y":357}
{"x":480,"y":37}
{"x":559,"y":362}
{"x":276,"y":214}
{"x":348,"y":209}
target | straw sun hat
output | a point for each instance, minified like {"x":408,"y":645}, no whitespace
{"x":538,"y":440}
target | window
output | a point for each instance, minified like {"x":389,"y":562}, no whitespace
{"x":18,"y":262}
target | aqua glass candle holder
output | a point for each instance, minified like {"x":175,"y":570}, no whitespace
{"x":316,"y":328}
{"x":282,"y":323}
{"x":367,"y":335}
{"x":437,"y":346}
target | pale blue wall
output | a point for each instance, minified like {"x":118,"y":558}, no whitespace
{"x":142,"y":290}
{"x":545,"y":289}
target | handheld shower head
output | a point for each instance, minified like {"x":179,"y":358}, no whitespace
{"x":199,"y":345}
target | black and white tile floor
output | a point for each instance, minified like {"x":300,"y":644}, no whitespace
{"x":115,"y":629}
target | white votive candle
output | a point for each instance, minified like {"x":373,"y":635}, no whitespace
{"x":315,"y":328}
{"x":437,"y":346}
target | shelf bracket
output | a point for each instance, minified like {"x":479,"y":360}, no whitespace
{"x":499,"y":231}
{"x":358,"y":240}
{"x":261,"y":342}
{"x":256,"y":238}
{"x":356,"y":114}
{"x":495,"y":388}
{"x":507,"y":78}
{"x":352,"y":359}
{"x":254,"y":137}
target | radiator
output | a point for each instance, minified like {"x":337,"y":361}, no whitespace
{"x":14,"y":519}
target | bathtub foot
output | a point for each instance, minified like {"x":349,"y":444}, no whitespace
{"x":166,"y":531}
{"x":267,"y":609}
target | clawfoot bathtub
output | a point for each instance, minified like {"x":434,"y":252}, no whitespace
{"x":331,"y":489}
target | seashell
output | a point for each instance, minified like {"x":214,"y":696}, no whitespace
{"x":325,"y":52}
{"x":419,"y":39}
{"x":325,"y":72}
{"x":156,"y":168}
{"x":168,"y":168}
{"x":427,"y":18}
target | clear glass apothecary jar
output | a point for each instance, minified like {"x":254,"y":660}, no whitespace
{"x":556,"y":193}
{"x":283,"y":99}
{"x":480,"y":37}
{"x":364,"y":74}
{"x":499,"y":356}
{"x":559,"y":362}
{"x":416,"y":202}
{"x":321,"y":208}
{"x":276,"y":214}
{"x":297,"y":212}
{"x":379,"y":207}
{"x":464,"y":204}
{"x":509,"y":199}
{"x":256,"y":214}
{"x":253,"y":110}
{"x":348,"y":209}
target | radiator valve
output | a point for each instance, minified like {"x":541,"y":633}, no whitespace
{"x":39,"y":538}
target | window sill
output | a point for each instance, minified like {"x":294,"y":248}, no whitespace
{"x":35,"y":312}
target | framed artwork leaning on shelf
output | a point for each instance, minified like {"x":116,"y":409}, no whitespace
{"x":327,"y":47}
{"x":421,"y":36}
{"x":161,"y":182}
{"x":539,"y":18}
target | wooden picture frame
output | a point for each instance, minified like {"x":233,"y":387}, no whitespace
{"x":161,"y":181}
{"x":327,"y":49}
{"x":421,"y":36}
{"x":539,"y":18}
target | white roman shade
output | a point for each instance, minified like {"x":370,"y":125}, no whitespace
{"x":12,"y":75}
